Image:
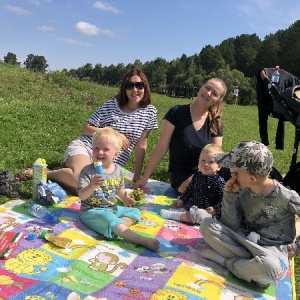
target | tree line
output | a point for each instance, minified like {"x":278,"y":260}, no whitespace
{"x":236,"y":60}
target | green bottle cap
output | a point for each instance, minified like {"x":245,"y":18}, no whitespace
{"x":43,"y":234}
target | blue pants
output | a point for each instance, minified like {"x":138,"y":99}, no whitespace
{"x":104,"y":220}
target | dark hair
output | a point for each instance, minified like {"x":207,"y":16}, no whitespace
{"x":122,"y":96}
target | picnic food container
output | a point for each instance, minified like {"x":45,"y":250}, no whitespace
{"x":39,"y":175}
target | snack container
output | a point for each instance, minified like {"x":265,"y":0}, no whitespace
{"x":56,"y":239}
{"x":39,"y":175}
{"x":99,"y":169}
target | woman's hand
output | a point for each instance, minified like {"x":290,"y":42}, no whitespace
{"x":126,"y":142}
{"x":135,"y":178}
{"x":140,"y":183}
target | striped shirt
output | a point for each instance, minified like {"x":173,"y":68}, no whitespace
{"x":132,"y":125}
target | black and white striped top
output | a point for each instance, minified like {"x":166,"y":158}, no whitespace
{"x":130,"y":124}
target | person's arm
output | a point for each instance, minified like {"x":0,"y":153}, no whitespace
{"x":218,"y":140}
{"x":140,"y":151}
{"x":263,"y":74}
{"x":189,"y":190}
{"x":88,"y":129}
{"x":181,"y":189}
{"x":125,"y":198}
{"x":86,"y":192}
{"x":158,"y":153}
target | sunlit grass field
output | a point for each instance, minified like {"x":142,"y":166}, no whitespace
{"x":41,"y":114}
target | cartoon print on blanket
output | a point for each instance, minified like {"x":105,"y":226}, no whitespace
{"x":93,"y":267}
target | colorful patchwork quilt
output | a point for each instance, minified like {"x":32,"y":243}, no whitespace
{"x":92,"y":267}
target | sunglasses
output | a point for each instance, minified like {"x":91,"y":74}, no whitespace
{"x":138,"y":85}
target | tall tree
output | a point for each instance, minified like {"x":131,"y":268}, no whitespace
{"x":36,"y":63}
{"x":246,"y":49}
{"x":175,"y":67}
{"x":98,"y":73}
{"x":267,"y":56}
{"x":227,"y":50}
{"x":211,"y":59}
{"x":289,"y":49}
{"x":87,"y":71}
{"x":11,"y":58}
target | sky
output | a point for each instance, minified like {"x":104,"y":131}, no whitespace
{"x":72,"y":33}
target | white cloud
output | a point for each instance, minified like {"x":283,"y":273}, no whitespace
{"x":90,"y":29}
{"x":18,"y":10}
{"x":87,"y":28}
{"x":70,"y":41}
{"x":106,"y":7}
{"x":45,"y":28}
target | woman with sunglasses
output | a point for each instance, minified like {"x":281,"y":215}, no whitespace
{"x":130,"y":112}
{"x":186,"y":129}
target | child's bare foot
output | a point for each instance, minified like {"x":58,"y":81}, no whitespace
{"x":150,"y":243}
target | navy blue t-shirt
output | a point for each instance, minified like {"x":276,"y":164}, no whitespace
{"x":186,"y":143}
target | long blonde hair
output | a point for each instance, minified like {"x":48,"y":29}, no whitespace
{"x":215,"y":112}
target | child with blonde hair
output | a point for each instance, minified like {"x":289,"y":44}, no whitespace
{"x":99,"y":196}
{"x":203,"y":196}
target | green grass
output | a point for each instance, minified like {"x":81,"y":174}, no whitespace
{"x":41,"y":114}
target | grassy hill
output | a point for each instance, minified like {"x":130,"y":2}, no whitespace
{"x":41,"y":114}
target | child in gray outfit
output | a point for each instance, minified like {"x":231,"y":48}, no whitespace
{"x":259,"y":251}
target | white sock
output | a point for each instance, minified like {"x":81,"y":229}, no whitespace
{"x":169,"y":214}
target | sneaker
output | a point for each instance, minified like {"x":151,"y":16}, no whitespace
{"x":6,"y":176}
{"x":7,"y":190}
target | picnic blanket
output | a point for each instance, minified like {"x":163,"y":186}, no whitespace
{"x":93,"y":267}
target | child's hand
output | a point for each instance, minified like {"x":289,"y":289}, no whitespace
{"x":291,"y":251}
{"x":128,"y":201}
{"x":177,"y":203}
{"x":231,"y":185}
{"x":97,"y":180}
{"x":210,"y":210}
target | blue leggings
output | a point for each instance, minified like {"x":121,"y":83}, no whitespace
{"x":104,"y":220}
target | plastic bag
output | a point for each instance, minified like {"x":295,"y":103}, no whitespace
{"x":50,"y":193}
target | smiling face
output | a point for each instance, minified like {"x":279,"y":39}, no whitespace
{"x":134,"y":94}
{"x":104,"y":151}
{"x":207,"y":164}
{"x":212,"y":92}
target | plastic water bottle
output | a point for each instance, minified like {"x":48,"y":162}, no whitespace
{"x":276,"y":76}
{"x":38,"y":211}
{"x":99,"y":169}
{"x":39,"y":175}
